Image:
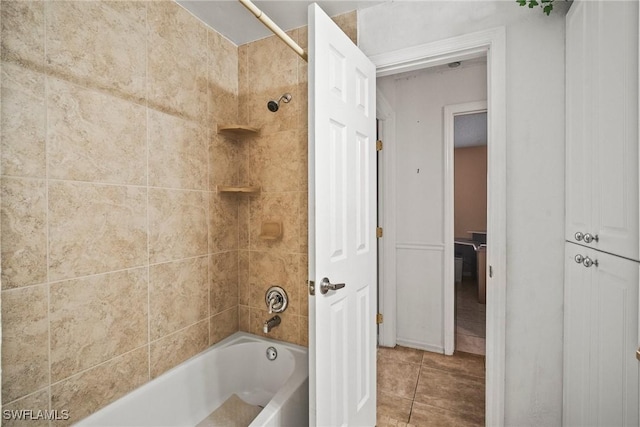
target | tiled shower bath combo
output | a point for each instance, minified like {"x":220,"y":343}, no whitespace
{"x":120,"y":260}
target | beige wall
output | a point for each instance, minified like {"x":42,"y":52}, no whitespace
{"x":118,"y":259}
{"x":470,"y":190}
{"x":276,"y":160}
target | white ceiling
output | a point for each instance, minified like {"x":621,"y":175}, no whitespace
{"x":470,"y":130}
{"x":235,"y":22}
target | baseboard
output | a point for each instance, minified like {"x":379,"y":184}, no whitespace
{"x":420,"y":345}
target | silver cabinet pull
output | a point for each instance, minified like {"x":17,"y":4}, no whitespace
{"x":326,"y":286}
{"x":638,"y":354}
{"x":588,"y":238}
{"x":579,"y":258}
{"x":588,"y":262}
{"x":578,"y":236}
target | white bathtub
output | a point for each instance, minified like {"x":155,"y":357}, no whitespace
{"x":186,"y":394}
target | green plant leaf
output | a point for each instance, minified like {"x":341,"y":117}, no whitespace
{"x":546,"y":5}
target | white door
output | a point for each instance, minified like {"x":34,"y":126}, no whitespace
{"x":342,"y":216}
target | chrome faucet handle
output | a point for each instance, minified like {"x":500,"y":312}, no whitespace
{"x":276,"y":299}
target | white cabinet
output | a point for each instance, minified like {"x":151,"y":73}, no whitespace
{"x":601,"y":384}
{"x":602,"y":125}
{"x":601,"y":333}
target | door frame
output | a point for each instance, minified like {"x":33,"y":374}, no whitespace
{"x":450,"y":112}
{"x":491,"y":43}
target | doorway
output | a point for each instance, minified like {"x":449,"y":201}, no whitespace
{"x":466,"y":136}
{"x":490,"y":43}
{"x":424,"y":237}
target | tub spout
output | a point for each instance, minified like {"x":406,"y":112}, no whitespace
{"x":271,"y":323}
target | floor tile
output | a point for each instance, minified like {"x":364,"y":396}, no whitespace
{"x":470,"y":314}
{"x":470,"y":344}
{"x":470,"y":327}
{"x":387,"y":421}
{"x":424,"y":415}
{"x":402,"y":354}
{"x":461,"y":363}
{"x":455,"y":392}
{"x":395,"y":407}
{"x":397,"y":378}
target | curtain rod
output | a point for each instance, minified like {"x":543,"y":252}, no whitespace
{"x":274,"y":28}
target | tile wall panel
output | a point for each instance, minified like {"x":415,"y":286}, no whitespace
{"x":109,"y":156}
{"x":276,"y":161}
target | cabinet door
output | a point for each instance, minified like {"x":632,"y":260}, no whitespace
{"x":614,"y":339}
{"x":577,"y":335}
{"x":602,"y":125}
{"x":578,"y":137}
{"x":601,"y":335}
{"x":613,"y":38}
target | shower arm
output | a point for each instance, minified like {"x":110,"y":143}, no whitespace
{"x":274,"y":28}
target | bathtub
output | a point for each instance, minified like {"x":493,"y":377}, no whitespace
{"x":188,"y":393}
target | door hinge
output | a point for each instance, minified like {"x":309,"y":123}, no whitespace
{"x":490,"y":271}
{"x":378,"y":145}
{"x":379,"y":318}
{"x":378,"y":232}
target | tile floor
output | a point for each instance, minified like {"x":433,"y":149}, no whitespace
{"x":419,"y":388}
{"x":470,"y":318}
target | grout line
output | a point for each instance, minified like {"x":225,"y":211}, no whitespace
{"x":115,"y":184}
{"x":83,"y":371}
{"x":146,"y":98}
{"x":33,"y":393}
{"x":46,"y":183}
{"x":210,"y":151}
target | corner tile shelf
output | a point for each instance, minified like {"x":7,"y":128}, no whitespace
{"x":237,"y":189}
{"x":238,"y":130}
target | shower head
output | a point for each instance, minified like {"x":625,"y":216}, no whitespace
{"x":274,"y":105}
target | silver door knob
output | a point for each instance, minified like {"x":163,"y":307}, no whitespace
{"x":578,"y":236}
{"x":579,"y":258}
{"x":588,"y":262}
{"x":327,"y":286}
{"x":588,"y":238}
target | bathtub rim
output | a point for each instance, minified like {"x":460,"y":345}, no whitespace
{"x":295,"y":380}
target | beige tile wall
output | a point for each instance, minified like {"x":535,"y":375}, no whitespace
{"x":118,"y":260}
{"x":276,"y":160}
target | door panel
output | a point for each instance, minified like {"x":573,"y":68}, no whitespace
{"x":601,"y":331}
{"x":614,"y":331}
{"x":577,"y":317}
{"x":342,"y":226}
{"x":615,"y":111}
{"x":579,"y":142}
